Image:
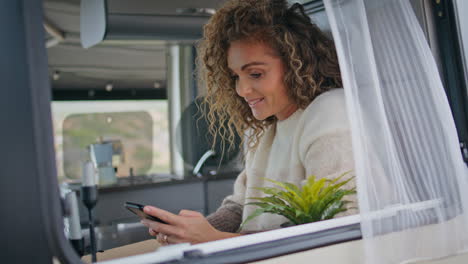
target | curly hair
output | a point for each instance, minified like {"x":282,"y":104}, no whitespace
{"x":308,"y":54}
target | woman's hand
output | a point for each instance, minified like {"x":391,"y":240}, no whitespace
{"x":188,"y":226}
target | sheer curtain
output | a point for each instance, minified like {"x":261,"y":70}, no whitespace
{"x":412,"y":182}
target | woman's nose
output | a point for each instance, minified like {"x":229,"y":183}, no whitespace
{"x":243,"y":88}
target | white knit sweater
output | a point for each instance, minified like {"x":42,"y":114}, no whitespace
{"x":314,"y":141}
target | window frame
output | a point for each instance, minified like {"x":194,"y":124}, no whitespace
{"x":328,"y":233}
{"x":448,"y":37}
{"x":103,"y":95}
{"x":26,"y":106}
{"x":256,"y":247}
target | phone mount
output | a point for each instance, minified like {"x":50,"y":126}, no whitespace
{"x":72,"y":218}
{"x":89,"y":194}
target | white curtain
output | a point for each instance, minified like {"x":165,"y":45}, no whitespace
{"x":412,"y":181}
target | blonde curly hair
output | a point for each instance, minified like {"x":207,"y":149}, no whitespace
{"x":311,"y":64}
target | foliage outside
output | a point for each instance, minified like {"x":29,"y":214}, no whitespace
{"x":317,"y":200}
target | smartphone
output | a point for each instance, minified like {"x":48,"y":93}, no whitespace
{"x":138,"y":210}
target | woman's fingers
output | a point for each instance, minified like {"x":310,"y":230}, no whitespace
{"x":174,"y":240}
{"x":152,"y":232}
{"x":166,"y":240}
{"x":188,"y":226}
{"x":161,"y":238}
{"x":163,"y":215}
{"x":162,"y":228}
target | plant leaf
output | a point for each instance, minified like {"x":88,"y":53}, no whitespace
{"x":256,"y":213}
{"x":294,"y":193}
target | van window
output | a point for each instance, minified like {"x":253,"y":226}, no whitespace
{"x":138,"y":131}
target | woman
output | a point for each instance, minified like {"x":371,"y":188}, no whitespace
{"x":271,"y":77}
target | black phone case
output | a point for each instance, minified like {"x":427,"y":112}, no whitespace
{"x":138,"y":210}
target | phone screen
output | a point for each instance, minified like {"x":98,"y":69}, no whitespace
{"x":138,"y":210}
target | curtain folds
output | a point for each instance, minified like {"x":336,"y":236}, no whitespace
{"x":412,"y":181}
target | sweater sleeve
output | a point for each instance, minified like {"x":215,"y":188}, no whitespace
{"x":228,"y":217}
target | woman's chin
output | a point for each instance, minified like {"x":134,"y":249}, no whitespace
{"x":260,"y":116}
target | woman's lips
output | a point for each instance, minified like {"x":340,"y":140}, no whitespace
{"x":254,"y":102}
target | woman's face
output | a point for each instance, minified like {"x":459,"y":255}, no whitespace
{"x":259,"y":75}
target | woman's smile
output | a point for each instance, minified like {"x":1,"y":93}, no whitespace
{"x":255,"y":102}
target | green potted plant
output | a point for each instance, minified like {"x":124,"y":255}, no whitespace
{"x":317,"y":200}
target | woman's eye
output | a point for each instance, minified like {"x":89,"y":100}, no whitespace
{"x":234,"y":77}
{"x":255,"y":75}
